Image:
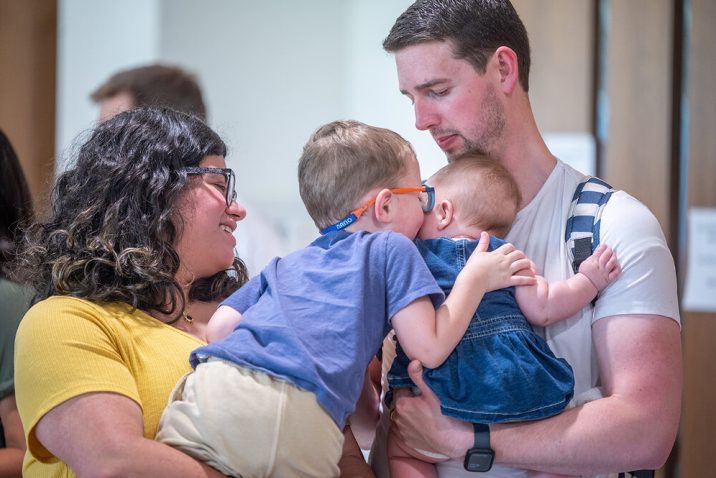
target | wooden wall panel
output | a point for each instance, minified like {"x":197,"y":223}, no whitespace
{"x":702,"y":105}
{"x":28,"y":35}
{"x":637,"y":154}
{"x":561,"y":36}
{"x":698,"y":425}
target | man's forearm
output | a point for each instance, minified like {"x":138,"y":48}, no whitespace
{"x":580,"y":441}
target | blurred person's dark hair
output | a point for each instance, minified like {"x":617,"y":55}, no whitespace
{"x":15,"y":202}
{"x":156,"y":85}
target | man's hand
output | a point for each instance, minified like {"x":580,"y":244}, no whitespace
{"x":419,"y":423}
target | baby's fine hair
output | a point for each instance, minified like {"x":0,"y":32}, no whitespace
{"x":342,"y":162}
{"x":482,"y":190}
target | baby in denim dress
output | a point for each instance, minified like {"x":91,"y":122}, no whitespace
{"x":501,"y":371}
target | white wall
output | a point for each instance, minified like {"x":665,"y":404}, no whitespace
{"x":271,"y":71}
{"x":372,"y":88}
{"x":95,"y":38}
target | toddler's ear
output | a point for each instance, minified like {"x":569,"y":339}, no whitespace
{"x":444,"y":213}
{"x":384,"y":206}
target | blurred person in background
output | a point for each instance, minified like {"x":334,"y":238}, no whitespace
{"x":15,"y":212}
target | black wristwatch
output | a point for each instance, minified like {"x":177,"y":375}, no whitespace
{"x":480,"y":456}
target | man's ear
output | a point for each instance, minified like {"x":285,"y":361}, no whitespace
{"x":506,"y":59}
{"x":384,"y":206}
{"x":444,"y":213}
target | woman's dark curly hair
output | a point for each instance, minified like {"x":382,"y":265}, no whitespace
{"x":113,"y":228}
{"x":15,"y":202}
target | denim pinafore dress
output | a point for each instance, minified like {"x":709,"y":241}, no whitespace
{"x":501,"y":371}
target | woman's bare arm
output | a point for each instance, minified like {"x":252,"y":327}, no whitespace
{"x":101,"y":435}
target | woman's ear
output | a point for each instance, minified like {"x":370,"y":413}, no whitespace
{"x":444,"y":213}
{"x":384,"y":206}
{"x":508,"y":67}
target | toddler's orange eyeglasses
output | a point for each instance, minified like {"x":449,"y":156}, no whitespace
{"x":427,"y":201}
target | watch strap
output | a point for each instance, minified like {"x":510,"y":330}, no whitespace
{"x":480,"y":457}
{"x":482,"y":436}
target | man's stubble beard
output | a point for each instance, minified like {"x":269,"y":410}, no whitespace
{"x":491,"y":122}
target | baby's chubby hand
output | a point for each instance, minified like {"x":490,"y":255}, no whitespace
{"x":601,"y":268}
{"x":503,"y":267}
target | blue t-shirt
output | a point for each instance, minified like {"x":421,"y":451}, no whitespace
{"x":316,"y":317}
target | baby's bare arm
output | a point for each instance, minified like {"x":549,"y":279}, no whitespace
{"x":546,"y":303}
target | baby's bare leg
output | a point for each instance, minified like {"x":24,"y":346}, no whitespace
{"x":407,"y":463}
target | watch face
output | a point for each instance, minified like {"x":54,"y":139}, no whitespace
{"x":478,"y":460}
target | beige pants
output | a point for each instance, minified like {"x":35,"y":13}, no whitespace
{"x":247,"y":424}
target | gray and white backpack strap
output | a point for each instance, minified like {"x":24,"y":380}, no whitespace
{"x":582,"y":237}
{"x":582,"y":231}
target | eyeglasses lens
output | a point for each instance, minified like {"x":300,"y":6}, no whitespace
{"x":230,"y":188}
{"x":427,"y":199}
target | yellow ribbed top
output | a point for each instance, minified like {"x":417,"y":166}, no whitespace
{"x":66,"y":347}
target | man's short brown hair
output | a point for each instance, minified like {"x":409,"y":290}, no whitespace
{"x":473,"y":28}
{"x":342,"y":162}
{"x":156,"y":85}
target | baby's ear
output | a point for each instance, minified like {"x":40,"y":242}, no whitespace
{"x":444,"y":212}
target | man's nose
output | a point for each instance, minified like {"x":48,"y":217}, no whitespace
{"x":425,"y":115}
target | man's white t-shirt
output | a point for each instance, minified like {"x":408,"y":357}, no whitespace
{"x":647,"y":284}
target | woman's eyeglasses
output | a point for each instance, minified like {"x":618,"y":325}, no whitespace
{"x":230,"y":180}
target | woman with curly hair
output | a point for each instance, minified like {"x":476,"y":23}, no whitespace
{"x":136,"y":254}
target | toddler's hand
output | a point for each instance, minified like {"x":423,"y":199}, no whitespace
{"x":601,"y":268}
{"x":529,"y":271}
{"x":500,"y":267}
